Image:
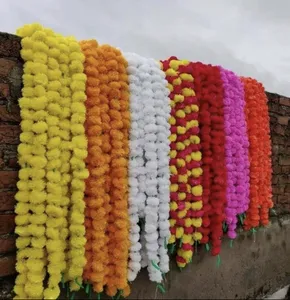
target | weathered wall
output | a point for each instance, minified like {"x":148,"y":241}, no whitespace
{"x":10,"y":90}
{"x":254,"y":266}
{"x":279,"y":109}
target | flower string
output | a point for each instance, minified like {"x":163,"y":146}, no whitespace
{"x":31,"y":196}
{"x":116,"y":91}
{"x":162,"y":115}
{"x":136,"y":162}
{"x":97,"y":196}
{"x":186,"y":189}
{"x":77,"y":240}
{"x":236,"y":147}
{"x":209,"y":91}
{"x":259,"y":153}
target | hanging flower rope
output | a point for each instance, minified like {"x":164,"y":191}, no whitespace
{"x":77,"y":240}
{"x":186,"y":189}
{"x":97,"y":196}
{"x":236,"y":147}
{"x":136,"y":161}
{"x":162,"y":115}
{"x":259,"y":153}
{"x":31,"y":196}
{"x":149,"y":181}
{"x":265,"y":161}
{"x":116,"y":91}
{"x":209,"y":91}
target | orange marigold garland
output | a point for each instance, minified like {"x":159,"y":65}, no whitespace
{"x":116,"y":90}
{"x":259,"y":152}
{"x":186,"y":190}
{"x":97,"y":197}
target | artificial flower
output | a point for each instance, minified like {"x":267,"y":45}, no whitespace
{"x":236,"y":150}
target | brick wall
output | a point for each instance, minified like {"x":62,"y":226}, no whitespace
{"x":279,"y":110}
{"x":10,"y":90}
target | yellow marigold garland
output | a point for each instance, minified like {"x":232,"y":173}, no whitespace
{"x":77,"y":241}
{"x":53,"y":114}
{"x":30,"y":209}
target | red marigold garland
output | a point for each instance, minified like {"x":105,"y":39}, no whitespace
{"x":209,"y":92}
{"x":260,"y":154}
{"x":186,"y":190}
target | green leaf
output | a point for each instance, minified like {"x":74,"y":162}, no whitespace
{"x":161,"y":288}
{"x":218,"y":262}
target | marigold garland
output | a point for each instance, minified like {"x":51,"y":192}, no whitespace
{"x":96,"y":217}
{"x":186,"y":189}
{"x":112,"y":67}
{"x":49,"y":84}
{"x":97,"y":174}
{"x":260,"y":150}
{"x":31,"y":197}
{"x":236,"y":147}
{"x":209,"y":91}
{"x":137,"y":189}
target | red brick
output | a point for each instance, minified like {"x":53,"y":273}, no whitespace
{"x":278,"y":140}
{"x":7,"y":223}
{"x":9,"y":134}
{"x":13,"y":116}
{"x":278,"y":189}
{"x":275,"y":179}
{"x":284,"y":101}
{"x":7,"y":201}
{"x":7,"y":244}
{"x":6,"y":66}
{"x":284,"y":161}
{"x":8,"y":179}
{"x":283,"y":179}
{"x":7,"y":265}
{"x":13,"y":163}
{"x":277,"y":169}
{"x":4,"y":90}
{"x":285,"y":169}
{"x":284,"y":199}
{"x":10,"y":47}
{"x":283,"y":120}
{"x":279,"y":129}
{"x":287,"y":189}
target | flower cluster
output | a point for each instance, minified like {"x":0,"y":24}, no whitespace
{"x":53,"y":79}
{"x":236,"y":147}
{"x":149,"y":167}
{"x":78,"y":144}
{"x":162,"y":115}
{"x":97,"y":196}
{"x":259,"y":152}
{"x":186,"y":189}
{"x":31,"y":197}
{"x":209,"y":90}
{"x":116,"y":91}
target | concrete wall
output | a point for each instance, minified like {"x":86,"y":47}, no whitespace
{"x":255,"y":265}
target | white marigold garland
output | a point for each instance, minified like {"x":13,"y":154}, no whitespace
{"x":162,"y":111}
{"x":136,"y":162}
{"x":149,"y":179}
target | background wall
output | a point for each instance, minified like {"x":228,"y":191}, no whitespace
{"x":255,"y":265}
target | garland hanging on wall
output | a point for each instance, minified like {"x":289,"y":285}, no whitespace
{"x":125,"y":161}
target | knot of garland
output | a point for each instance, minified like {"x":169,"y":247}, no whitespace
{"x":125,"y":160}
